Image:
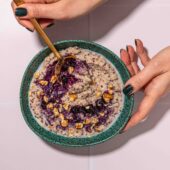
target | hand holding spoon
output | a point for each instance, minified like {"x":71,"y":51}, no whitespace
{"x":46,"y":40}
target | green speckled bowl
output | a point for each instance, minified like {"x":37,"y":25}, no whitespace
{"x":114,"y":129}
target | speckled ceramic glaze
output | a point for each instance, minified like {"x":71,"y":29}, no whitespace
{"x":115,"y":128}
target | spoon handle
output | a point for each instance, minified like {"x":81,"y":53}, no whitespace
{"x":41,"y":32}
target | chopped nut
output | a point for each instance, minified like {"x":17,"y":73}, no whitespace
{"x":87,"y":121}
{"x":64,"y":123}
{"x":101,"y":114}
{"x":39,"y":93}
{"x":33,"y":86}
{"x":60,"y":108}
{"x":110,"y":91}
{"x":70,"y":131}
{"x":50,"y":106}
{"x":30,"y":93}
{"x":72,"y":97}
{"x":99,"y":128}
{"x":61,"y":116}
{"x":43,"y":82}
{"x":98,"y":93}
{"x":70,"y":56}
{"x":79,"y":125}
{"x":53,"y":79}
{"x":56,"y":112}
{"x":50,"y":127}
{"x":107,"y":97}
{"x":110,"y":86}
{"x":36,"y":75}
{"x":45,"y":98}
{"x":66,"y":106}
{"x":94,"y":120}
{"x":71,"y":70}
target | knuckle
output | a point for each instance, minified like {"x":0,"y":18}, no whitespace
{"x":35,"y":12}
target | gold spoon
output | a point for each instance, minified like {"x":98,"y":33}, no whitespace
{"x":46,"y":40}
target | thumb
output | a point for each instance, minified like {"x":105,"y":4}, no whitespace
{"x":142,"y":78}
{"x":28,"y":11}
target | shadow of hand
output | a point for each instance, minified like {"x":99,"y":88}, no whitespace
{"x":96,"y":25}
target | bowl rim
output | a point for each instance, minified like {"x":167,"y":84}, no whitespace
{"x":51,"y":137}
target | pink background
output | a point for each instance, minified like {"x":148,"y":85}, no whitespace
{"x":117,"y":23}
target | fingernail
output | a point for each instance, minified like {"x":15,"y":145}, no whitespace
{"x":20,"y":12}
{"x":127,"y":48}
{"x":29,"y":30}
{"x":50,"y":25}
{"x":128,"y":90}
{"x":136,"y":42}
{"x":121,"y":50}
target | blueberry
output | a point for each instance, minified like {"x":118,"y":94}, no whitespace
{"x":43,"y":105}
{"x":74,"y":109}
{"x":88,"y":128}
{"x":70,"y":62}
{"x":91,"y":109}
{"x":52,"y":100}
{"x":64,"y":79}
{"x":64,"y":67}
{"x":100,"y":104}
{"x":83,"y":110}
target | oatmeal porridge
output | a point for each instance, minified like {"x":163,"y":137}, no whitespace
{"x":83,"y":100}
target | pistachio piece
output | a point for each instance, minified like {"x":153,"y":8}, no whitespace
{"x":72,"y":97}
{"x":79,"y":125}
{"x":56,"y":112}
{"x":71,"y":70}
{"x":53,"y":79}
{"x":64,"y":123}
{"x":43,"y":82}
